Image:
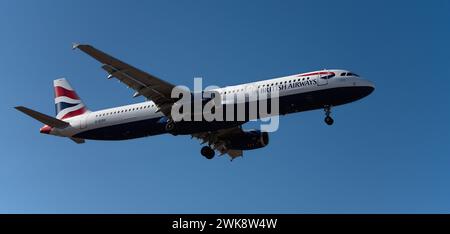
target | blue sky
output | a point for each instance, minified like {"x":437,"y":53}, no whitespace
{"x":387,"y":153}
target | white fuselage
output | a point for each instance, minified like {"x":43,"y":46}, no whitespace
{"x":289,"y":86}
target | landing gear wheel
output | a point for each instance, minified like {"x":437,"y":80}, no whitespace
{"x":329,"y":120}
{"x":170,"y":126}
{"x":207,"y":152}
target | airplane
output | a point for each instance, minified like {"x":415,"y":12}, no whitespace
{"x":323,"y":89}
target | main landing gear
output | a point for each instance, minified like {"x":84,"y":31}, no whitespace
{"x":170,"y":125}
{"x":207,"y":152}
{"x":328,"y":119}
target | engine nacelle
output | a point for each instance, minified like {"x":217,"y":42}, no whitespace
{"x":254,"y":139}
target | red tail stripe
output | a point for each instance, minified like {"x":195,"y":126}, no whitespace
{"x":74,"y":113}
{"x":60,"y":91}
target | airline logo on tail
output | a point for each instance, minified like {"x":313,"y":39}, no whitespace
{"x":67,"y":102}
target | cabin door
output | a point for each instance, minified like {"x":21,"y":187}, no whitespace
{"x":83,"y":121}
{"x":321,"y":79}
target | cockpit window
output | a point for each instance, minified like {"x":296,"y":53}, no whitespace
{"x":352,"y":74}
{"x":343,"y":74}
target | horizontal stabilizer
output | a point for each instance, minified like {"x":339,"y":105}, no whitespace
{"x":43,"y":118}
{"x":77,"y":140}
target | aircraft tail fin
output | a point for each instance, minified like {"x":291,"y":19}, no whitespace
{"x":67,"y":102}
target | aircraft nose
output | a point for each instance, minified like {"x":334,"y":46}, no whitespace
{"x":368,"y":85}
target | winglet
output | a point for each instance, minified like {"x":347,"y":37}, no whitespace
{"x":75,"y":45}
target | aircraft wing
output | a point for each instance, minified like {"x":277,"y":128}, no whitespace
{"x":142,"y":82}
{"x":217,"y":140}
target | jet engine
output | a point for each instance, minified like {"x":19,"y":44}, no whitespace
{"x":248,"y":140}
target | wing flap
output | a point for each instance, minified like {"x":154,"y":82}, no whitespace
{"x":217,"y":141}
{"x":234,"y":153}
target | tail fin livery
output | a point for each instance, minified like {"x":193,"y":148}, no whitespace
{"x":67,"y":102}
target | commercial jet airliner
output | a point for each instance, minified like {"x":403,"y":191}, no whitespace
{"x":322,"y":89}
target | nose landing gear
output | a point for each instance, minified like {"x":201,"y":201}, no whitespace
{"x":328,"y":120}
{"x":207,"y":152}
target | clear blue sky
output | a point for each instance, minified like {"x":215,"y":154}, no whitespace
{"x":389,"y":152}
